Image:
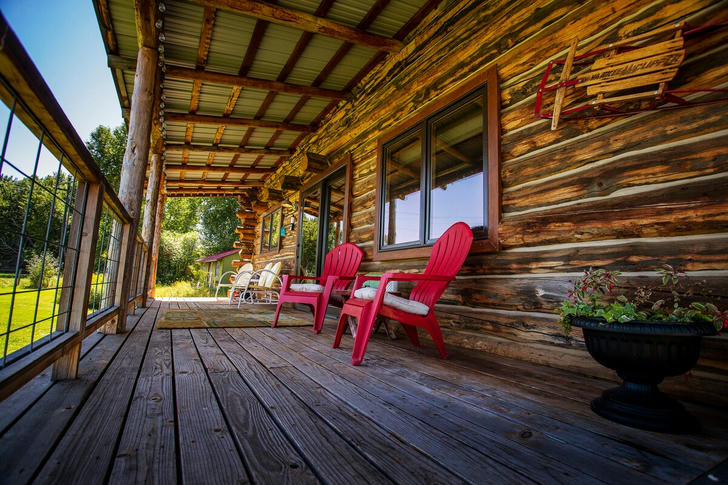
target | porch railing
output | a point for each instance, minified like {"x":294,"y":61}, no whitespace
{"x":62,"y":231}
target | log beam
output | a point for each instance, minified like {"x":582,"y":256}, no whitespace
{"x":180,"y":147}
{"x":219,"y":169}
{"x":135,"y":162}
{"x":145,"y":14}
{"x":290,"y":182}
{"x":304,"y":21}
{"x":219,"y":120}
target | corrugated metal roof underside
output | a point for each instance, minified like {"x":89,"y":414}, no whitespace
{"x":230,"y":39}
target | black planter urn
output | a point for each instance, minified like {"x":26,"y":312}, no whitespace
{"x":643,"y":354}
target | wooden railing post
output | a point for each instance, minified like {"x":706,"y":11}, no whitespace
{"x":135,"y":164}
{"x":66,"y":367}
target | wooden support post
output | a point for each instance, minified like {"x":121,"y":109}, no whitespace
{"x":135,"y":165}
{"x":154,"y":249}
{"x":66,"y":367}
{"x":150,"y":214}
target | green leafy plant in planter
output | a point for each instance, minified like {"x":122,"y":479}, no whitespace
{"x":654,"y":333}
{"x":588,"y":298}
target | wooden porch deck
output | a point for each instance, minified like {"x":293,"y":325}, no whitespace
{"x":280,"y":406}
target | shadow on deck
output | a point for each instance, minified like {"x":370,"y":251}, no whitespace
{"x":281,"y":406}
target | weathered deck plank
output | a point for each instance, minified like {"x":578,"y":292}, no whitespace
{"x":87,"y":447}
{"x":14,"y":406}
{"x":448,"y":448}
{"x":281,"y":406}
{"x":327,"y":452}
{"x":25,"y":445}
{"x":534,"y":426}
{"x":147,"y":448}
{"x":269,"y":456}
{"x":399,"y":461}
{"x":207,"y":451}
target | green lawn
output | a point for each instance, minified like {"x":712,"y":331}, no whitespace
{"x":24,"y":309}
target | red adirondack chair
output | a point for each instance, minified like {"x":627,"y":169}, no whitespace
{"x":448,"y":255}
{"x":340,"y":266}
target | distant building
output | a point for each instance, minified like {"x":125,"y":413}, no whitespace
{"x":217,"y":264}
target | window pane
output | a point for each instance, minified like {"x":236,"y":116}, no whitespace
{"x":265,"y":235}
{"x":309,"y":231}
{"x":402,"y":165}
{"x":456,"y":192}
{"x":275,"y":229}
{"x":335,"y":233}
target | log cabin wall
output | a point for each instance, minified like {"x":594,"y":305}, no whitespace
{"x":626,"y":193}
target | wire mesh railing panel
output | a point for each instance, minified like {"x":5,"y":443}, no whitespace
{"x":41,"y":207}
{"x":106,"y":263}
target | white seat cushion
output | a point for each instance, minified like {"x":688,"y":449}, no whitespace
{"x":307,"y":287}
{"x":409,"y":306}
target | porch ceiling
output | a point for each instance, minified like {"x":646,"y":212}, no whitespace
{"x":244,"y":82}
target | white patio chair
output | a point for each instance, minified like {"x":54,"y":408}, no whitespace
{"x":239,"y":275}
{"x":263,"y":287}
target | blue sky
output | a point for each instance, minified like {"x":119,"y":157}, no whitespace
{"x":63,"y":39}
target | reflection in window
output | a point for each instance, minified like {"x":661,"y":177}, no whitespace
{"x":456,"y":188}
{"x":309,"y":230}
{"x":336,"y":196}
{"x":402,"y":167}
{"x":447,"y":153}
{"x":270,"y":234}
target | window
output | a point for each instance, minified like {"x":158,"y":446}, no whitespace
{"x":440,"y":169}
{"x":270,"y":234}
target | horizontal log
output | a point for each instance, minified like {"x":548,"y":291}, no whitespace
{"x":635,"y":133}
{"x":229,"y":121}
{"x":315,"y":163}
{"x":527,"y":327}
{"x":307,"y":22}
{"x":267,"y":194}
{"x":181,"y":147}
{"x":176,"y":72}
{"x":673,"y":219}
{"x":546,"y":292}
{"x":218,"y":169}
{"x":290,"y":182}
{"x":704,"y":155}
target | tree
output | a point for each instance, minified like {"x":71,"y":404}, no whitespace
{"x":218,"y":219}
{"x":107,"y":146}
{"x":181,"y":214}
{"x":177,"y":255}
{"x":45,"y":218}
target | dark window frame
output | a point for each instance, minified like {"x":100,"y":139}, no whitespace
{"x":487,"y":82}
{"x":270,"y":248}
{"x":344,"y":162}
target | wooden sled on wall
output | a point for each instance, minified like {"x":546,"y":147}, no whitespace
{"x":626,"y":77}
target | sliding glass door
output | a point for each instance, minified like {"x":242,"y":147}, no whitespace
{"x":323,"y":209}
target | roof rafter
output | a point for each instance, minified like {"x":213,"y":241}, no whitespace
{"x":219,"y":169}
{"x":178,"y":147}
{"x":249,"y":82}
{"x":217,"y":120}
{"x":305,"y":21}
{"x":213,"y":183}
{"x":182,"y":192}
